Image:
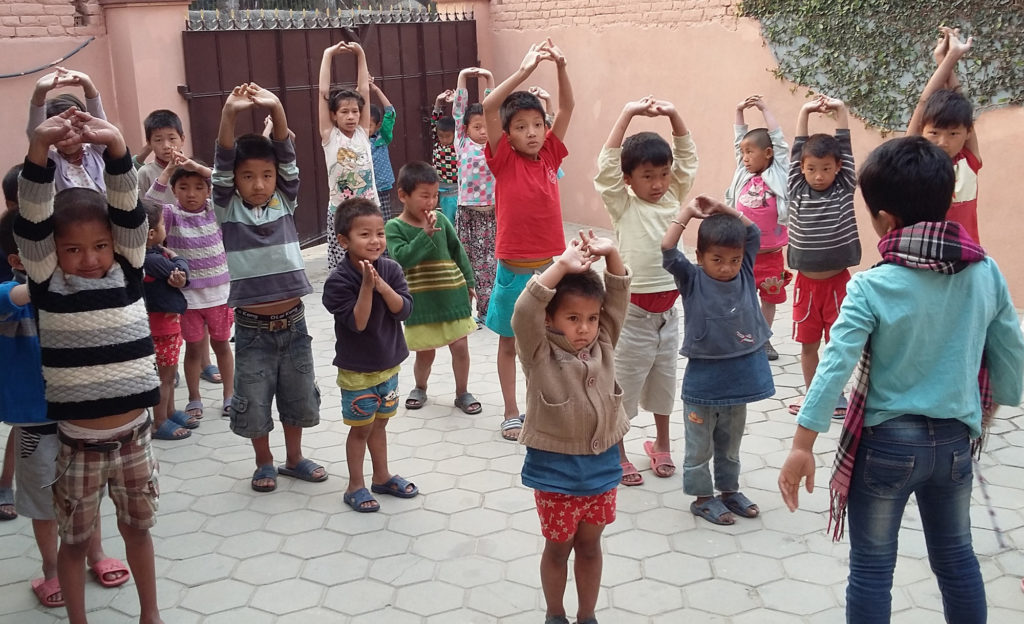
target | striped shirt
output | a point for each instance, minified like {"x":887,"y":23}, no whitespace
{"x":196,"y":237}
{"x":822,"y":224}
{"x":261,"y":243}
{"x":97,"y":354}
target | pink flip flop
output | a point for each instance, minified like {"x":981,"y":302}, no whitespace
{"x":110,"y":566}
{"x":659,"y":460}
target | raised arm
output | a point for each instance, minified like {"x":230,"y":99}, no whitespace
{"x":842,"y":114}
{"x":566,"y":102}
{"x":363,"y":86}
{"x":237,"y":101}
{"x":379,"y":94}
{"x":629,"y":111}
{"x":492,"y":103}
{"x":940,"y":79}
{"x":814,"y":106}
{"x":266,"y":99}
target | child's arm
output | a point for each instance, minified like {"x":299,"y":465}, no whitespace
{"x":409,"y":252}
{"x":944,"y":78}
{"x":609,"y":181}
{"x":284,"y":149}
{"x":847,"y":170}
{"x":613,"y":310}
{"x":1004,"y":350}
{"x":566,"y":102}
{"x":492,"y":103}
{"x":684,"y":153}
{"x":224,"y":151}
{"x":545,"y":100}
{"x":485,"y":82}
{"x":814,"y":106}
{"x":837,"y":105}
{"x":629,"y":111}
{"x":324,"y":120}
{"x":388,"y":115}
{"x":363,"y":86}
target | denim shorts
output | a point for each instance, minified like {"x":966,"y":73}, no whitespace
{"x":362,"y":407}
{"x":273,"y":365}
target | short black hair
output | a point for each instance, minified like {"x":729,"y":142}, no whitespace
{"x":376,"y":113}
{"x":586,"y":284}
{"x":721,"y":230}
{"x":78,"y":205}
{"x":7,"y":242}
{"x":415,"y":173}
{"x":644,"y":148}
{"x":182,"y":172}
{"x":154,"y":213}
{"x":160,"y":119}
{"x":518,"y":101}
{"x":352,"y":208}
{"x":254,"y":147}
{"x":339,"y":96}
{"x":474,"y":109}
{"x":822,"y":145}
{"x":909,"y":178}
{"x":59,"y":104}
{"x":446,"y":124}
{"x":759,"y":137}
{"x":948,"y":108}
{"x":11,"y":183}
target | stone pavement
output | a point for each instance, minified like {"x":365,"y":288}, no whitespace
{"x":467,"y":549}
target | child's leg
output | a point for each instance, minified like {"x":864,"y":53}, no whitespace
{"x":377,"y":444}
{"x":587,"y":568}
{"x":554,"y":573}
{"x":700,"y":425}
{"x":204,"y":353}
{"x":355,"y":452}
{"x":226,"y":364}
{"x":507,"y":374}
{"x":728,"y":435}
{"x":809,"y":361}
{"x":45,"y":532}
{"x":460,"y":364}
{"x":768,"y":311}
{"x":219,"y":320}
{"x":138,"y":546}
{"x":161,"y":411}
{"x":193,"y":366}
{"x":95,"y":554}
{"x":7,"y":476}
{"x":71,"y":572}
{"x":421,"y":369}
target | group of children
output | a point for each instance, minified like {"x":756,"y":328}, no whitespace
{"x":593,"y":350}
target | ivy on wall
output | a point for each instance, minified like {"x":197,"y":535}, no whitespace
{"x":876,"y":55}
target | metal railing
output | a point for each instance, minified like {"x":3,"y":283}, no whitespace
{"x":306,"y":16}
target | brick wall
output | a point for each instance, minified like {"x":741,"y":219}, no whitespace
{"x":50,"y":18}
{"x":543,"y":14}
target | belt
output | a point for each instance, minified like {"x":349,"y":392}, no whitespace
{"x":105,"y":446}
{"x":270,"y":322}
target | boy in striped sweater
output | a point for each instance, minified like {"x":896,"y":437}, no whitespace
{"x":83,"y":255}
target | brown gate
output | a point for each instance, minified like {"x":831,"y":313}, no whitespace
{"x":412,"y":62}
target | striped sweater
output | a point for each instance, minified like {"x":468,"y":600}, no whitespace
{"x":436,"y":268}
{"x":97,"y":353}
{"x":261,"y":242}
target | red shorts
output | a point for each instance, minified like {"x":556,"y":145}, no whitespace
{"x":816,"y":305}
{"x":771,"y":276}
{"x":218,"y":319}
{"x":168,"y":348}
{"x":561,"y":514}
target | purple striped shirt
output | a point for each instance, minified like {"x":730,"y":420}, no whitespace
{"x":196,"y":236}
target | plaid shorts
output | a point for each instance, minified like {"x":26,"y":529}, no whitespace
{"x":561,"y":514}
{"x":130,"y":475}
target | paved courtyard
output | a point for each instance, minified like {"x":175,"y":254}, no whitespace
{"x":467,"y":549}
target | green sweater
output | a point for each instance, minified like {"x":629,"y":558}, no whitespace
{"x":436,"y":268}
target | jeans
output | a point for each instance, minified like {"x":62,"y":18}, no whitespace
{"x":930,"y":458}
{"x":712,"y":430}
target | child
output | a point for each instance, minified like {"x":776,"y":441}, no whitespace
{"x":166,"y":275}
{"x":345,"y":127}
{"x":911,"y":421}
{"x":255,"y":188}
{"x":474,"y":221}
{"x":723,"y":338}
{"x":164,"y":137}
{"x":193,"y":233}
{"x":80,"y":165}
{"x":83,"y":255}
{"x":369,"y":299}
{"x":758,"y":190}
{"x":524,"y":155}
{"x":945,"y":117}
{"x":440,"y":280}
{"x":823,"y":239}
{"x":444,"y":156}
{"x":566,"y":327}
{"x":642,"y":182}
{"x":380,"y":138}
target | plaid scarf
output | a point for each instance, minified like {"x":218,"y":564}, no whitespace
{"x":942,"y":246}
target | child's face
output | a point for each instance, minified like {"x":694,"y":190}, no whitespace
{"x":347,"y":116}
{"x":365,"y":239}
{"x":86,"y":249}
{"x":164,"y":141}
{"x":158,"y":234}
{"x":477,"y":130}
{"x":256,"y":181}
{"x":951,"y":140}
{"x":422,"y":200}
{"x":755,"y":158}
{"x":721,"y":263}
{"x":445,"y":137}
{"x":526,"y":132}
{"x":191,"y":193}
{"x":820,"y":173}
{"x":649,"y":182}
{"x":578,"y":318}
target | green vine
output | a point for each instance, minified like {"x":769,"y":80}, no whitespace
{"x":876,"y":55}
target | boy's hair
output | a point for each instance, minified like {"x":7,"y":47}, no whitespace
{"x":721,"y":230}
{"x":337,"y":97}
{"x":948,"y":108}
{"x":587,"y":284}
{"x":446,"y":124}
{"x":181,"y":173}
{"x":59,"y":104}
{"x":474,"y":109}
{"x":822,"y":145}
{"x":254,"y":147}
{"x":7,"y":242}
{"x":350,"y":209}
{"x":909,"y":178}
{"x":376,"y":113}
{"x":78,"y":205}
{"x":644,"y":147}
{"x":759,"y":136}
{"x":518,"y":101}
{"x":415,"y":173}
{"x":11,"y":183}
{"x":154,"y":213}
{"x":160,"y":119}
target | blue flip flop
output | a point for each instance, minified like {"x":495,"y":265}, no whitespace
{"x":209,"y":372}
{"x":395,"y":486}
{"x":360,"y":497}
{"x":181,"y":419}
{"x":266,"y":471}
{"x":303,"y":470}
{"x":166,"y":431}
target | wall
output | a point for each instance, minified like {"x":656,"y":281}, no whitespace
{"x":50,"y":18}
{"x":698,"y":55}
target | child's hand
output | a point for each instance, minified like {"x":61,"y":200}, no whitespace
{"x":57,"y":130}
{"x":344,"y":47}
{"x":575,"y":259}
{"x":370,"y":276}
{"x":261,"y":97}
{"x":472,"y":295}
{"x":799,"y":465}
{"x":49,"y":82}
{"x":430,"y":226}
{"x":238,"y":100}
{"x":662,"y":108}
{"x":537,"y":53}
{"x":540,"y":93}
{"x":830,"y":103}
{"x":181,"y":160}
{"x":596,"y":245}
{"x":942,"y":45}
{"x":445,"y":96}
{"x":639,"y":107}
{"x":812,"y":106}
{"x":96,"y":130}
{"x":177,"y":278}
{"x":707,"y":206}
{"x":555,"y":53}
{"x":957,"y":47}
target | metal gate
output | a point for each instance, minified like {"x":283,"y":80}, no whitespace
{"x":412,"y":61}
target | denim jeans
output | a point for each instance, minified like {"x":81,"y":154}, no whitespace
{"x":930,"y":458}
{"x":712,"y":430}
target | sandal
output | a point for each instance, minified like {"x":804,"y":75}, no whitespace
{"x":794,"y":408}
{"x":356,"y":500}
{"x":266,"y":471}
{"x":660,"y":460}
{"x":226,"y":411}
{"x":468,"y":403}
{"x":107,"y":566}
{"x":839,"y":413}
{"x":396,"y":486}
{"x":46,"y":590}
{"x":712,"y":510}
{"x":303,"y":470}
{"x":169,"y":430}
{"x":181,"y":419}
{"x":417,"y":398}
{"x":211,"y":374}
{"x":510,"y":428}
{"x":740,"y":505}
{"x":194,"y":409}
{"x":7,"y":500}
{"x":628,"y":470}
